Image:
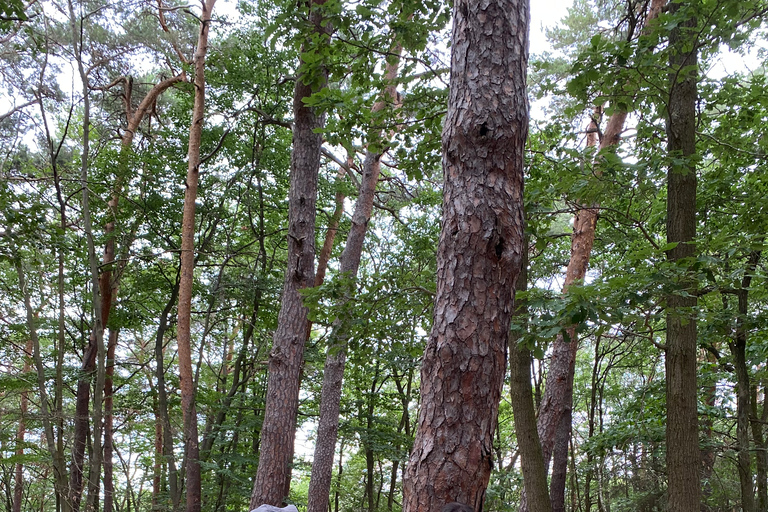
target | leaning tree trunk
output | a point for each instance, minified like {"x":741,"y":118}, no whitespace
{"x":279,"y":427}
{"x":478,"y":259}
{"x":186,"y":373}
{"x":683,"y":456}
{"x":333,"y":373}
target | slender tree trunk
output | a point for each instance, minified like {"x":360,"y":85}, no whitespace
{"x":61,"y":484}
{"x":109,"y":484}
{"x":521,"y":393}
{"x":333,"y":373}
{"x":761,"y":447}
{"x":186,"y":374}
{"x":683,"y":456}
{"x":18,"y":484}
{"x":162,"y":399}
{"x":59,"y":469}
{"x":743,"y":399}
{"x":478,"y":259}
{"x":278,"y":430}
{"x":96,"y":349}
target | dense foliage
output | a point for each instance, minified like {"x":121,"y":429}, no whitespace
{"x":601,"y":56}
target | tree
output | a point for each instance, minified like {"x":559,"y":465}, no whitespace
{"x":682,"y":404}
{"x":187,"y":266}
{"x":273,"y":476}
{"x":479,"y":256}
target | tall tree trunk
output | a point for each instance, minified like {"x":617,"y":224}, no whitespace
{"x":93,"y":357}
{"x":186,"y":373}
{"x":285,"y":361}
{"x":109,"y":484}
{"x":174,"y":487}
{"x":59,"y":466}
{"x":521,"y":394}
{"x":478,"y":258}
{"x":333,"y":372}
{"x":18,"y":484}
{"x":743,"y":399}
{"x":683,"y":456}
{"x":761,"y":446}
{"x":95,"y":351}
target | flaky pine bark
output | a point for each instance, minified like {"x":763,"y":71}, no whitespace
{"x":333,"y":372}
{"x":279,"y":427}
{"x":184,"y":339}
{"x":478,"y":259}
{"x":521,"y":394}
{"x":683,"y":456}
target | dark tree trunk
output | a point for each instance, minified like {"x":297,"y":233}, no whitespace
{"x":285,"y":361}
{"x":478,"y":258}
{"x":743,"y":387}
{"x":109,"y":485}
{"x":162,"y":399}
{"x":521,"y":393}
{"x":683,"y":456}
{"x":761,"y":445}
{"x":187,"y":266}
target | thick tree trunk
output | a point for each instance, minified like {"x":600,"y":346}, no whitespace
{"x":521,"y":394}
{"x":333,"y":373}
{"x":683,"y":456}
{"x":186,"y":374}
{"x":285,"y":361}
{"x":478,"y":258}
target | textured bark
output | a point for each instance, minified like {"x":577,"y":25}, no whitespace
{"x":683,"y":456}
{"x":279,"y":427}
{"x":18,"y":484}
{"x":478,"y":258}
{"x":521,"y":394}
{"x":186,"y":372}
{"x":333,"y":372}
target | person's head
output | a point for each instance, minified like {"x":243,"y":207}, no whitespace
{"x":455,"y":506}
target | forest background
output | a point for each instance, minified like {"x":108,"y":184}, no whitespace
{"x":108,"y":361}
